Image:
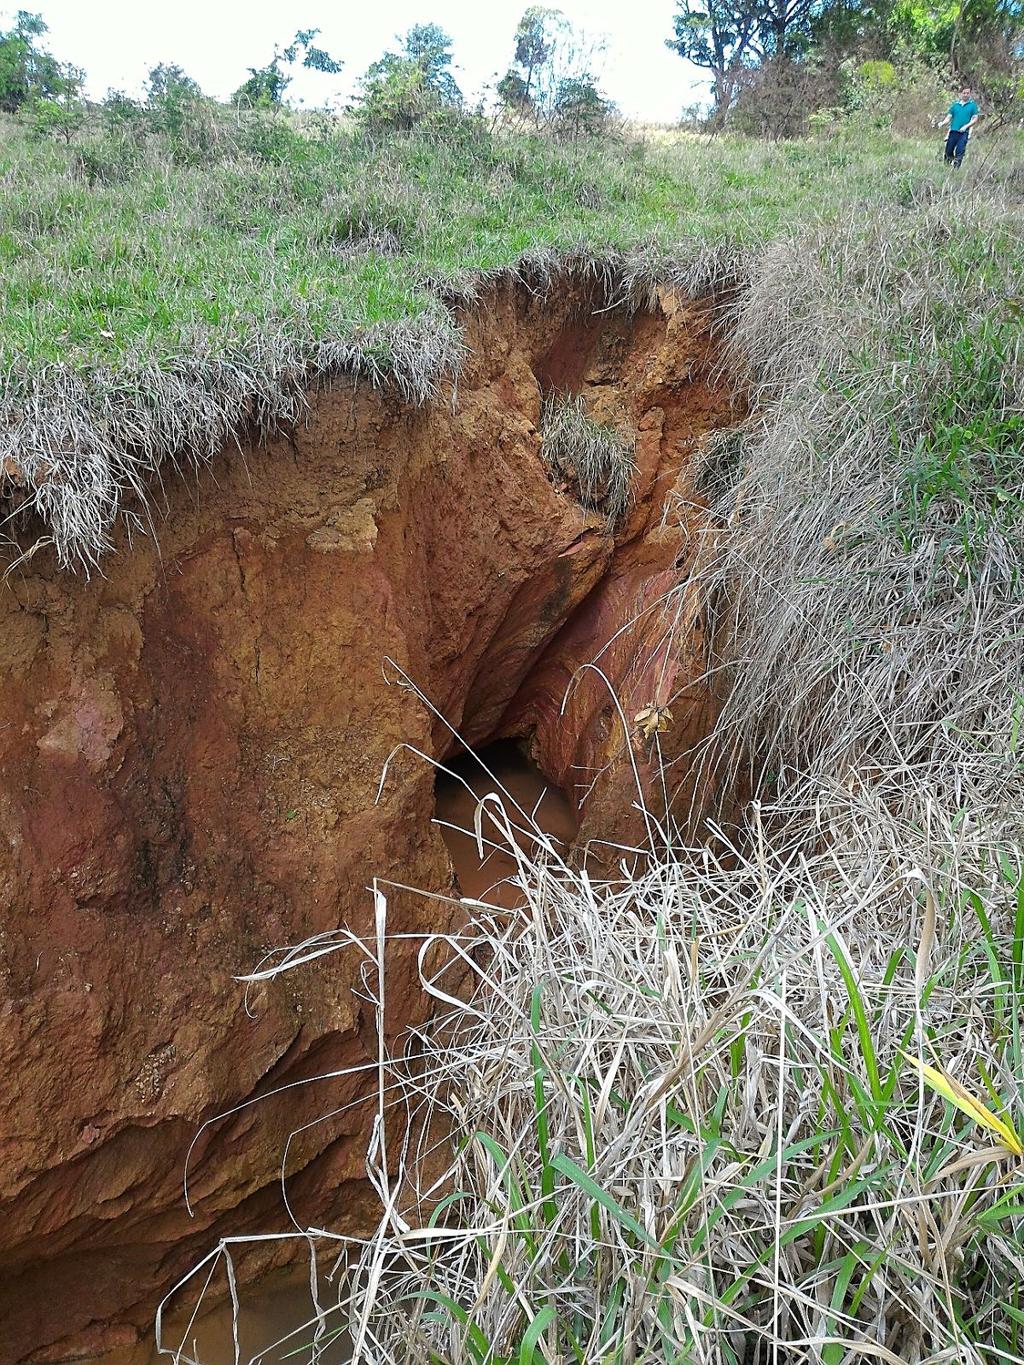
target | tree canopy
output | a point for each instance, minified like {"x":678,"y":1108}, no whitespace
{"x":550,"y":77}
{"x":720,"y":36}
{"x":266,"y":84}
{"x":767,"y":44}
{"x":401,"y":88}
{"x":27,"y":71}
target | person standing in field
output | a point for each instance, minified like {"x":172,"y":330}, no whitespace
{"x":963,"y":115}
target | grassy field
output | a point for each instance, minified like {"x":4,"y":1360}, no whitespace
{"x":326,"y":236}
{"x":146,"y":303}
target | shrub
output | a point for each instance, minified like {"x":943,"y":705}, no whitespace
{"x":110,"y":159}
{"x":190,"y":123}
{"x":905,"y":96}
{"x":877,"y":75}
{"x":777,"y":99}
{"x":125,"y":117}
{"x":456,"y":128}
{"x":269,"y":139}
{"x":580,"y":109}
{"x":263,"y":90}
{"x":396,"y":95}
{"x":514,"y":95}
{"x":693,"y":118}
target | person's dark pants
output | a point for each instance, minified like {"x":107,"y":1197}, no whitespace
{"x":956,"y":145}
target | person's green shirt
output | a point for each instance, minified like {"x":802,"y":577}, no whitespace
{"x":960,"y":115}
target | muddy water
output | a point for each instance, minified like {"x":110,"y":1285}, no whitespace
{"x":529,"y":801}
{"x":273,"y":1328}
{"x":271,"y":1323}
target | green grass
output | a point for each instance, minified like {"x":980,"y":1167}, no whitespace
{"x":246,"y":244}
{"x":595,"y":461}
{"x":147,"y":304}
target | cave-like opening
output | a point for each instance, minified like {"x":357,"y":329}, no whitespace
{"x":535,"y":808}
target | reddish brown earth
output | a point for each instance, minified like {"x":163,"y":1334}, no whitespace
{"x":190,"y":753}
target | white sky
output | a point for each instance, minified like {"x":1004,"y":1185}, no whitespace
{"x":117,"y":41}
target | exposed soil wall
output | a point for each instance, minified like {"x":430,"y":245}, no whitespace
{"x":190,"y":753}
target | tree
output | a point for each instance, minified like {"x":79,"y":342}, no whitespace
{"x":978,"y":38}
{"x":264,"y":89}
{"x":266,"y":84}
{"x":27,"y":72}
{"x":785,"y":27}
{"x":514,"y":93}
{"x":402,"y":88}
{"x":538,"y":36}
{"x":124,"y":117}
{"x":980,"y":42}
{"x":729,"y":38}
{"x":168,"y":82}
{"x":861,"y":29}
{"x":551,"y":66}
{"x":61,"y":112}
{"x":395,"y":94}
{"x":431,"y":49}
{"x":986,"y":48}
{"x":721,"y":37}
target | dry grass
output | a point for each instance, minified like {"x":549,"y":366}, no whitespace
{"x":686,"y":1131}
{"x":683,"y":1128}
{"x":82,"y":451}
{"x":869,"y":563}
{"x":597,"y":461}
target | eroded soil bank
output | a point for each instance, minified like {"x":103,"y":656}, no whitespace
{"x":189,"y":763}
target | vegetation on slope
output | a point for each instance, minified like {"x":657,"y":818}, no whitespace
{"x":875,"y":562}
{"x":152,"y":307}
{"x":596,"y":460}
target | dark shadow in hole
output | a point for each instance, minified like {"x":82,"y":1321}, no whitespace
{"x":528,"y":798}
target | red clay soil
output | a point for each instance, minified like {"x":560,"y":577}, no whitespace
{"x":190,"y":754}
